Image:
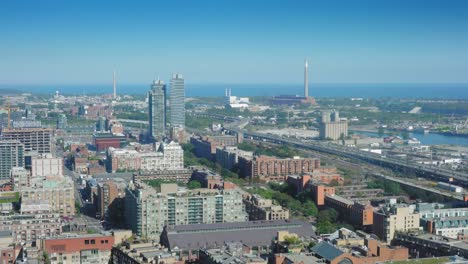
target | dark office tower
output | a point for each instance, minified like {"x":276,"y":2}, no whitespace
{"x":101,"y":124}
{"x":11,"y":155}
{"x":177,"y":101}
{"x":157,"y":109}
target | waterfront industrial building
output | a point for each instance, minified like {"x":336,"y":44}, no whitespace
{"x":332,"y":127}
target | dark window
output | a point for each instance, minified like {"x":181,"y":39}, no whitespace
{"x":107,"y":241}
{"x":102,"y":241}
{"x":86,"y":242}
{"x":93,"y":241}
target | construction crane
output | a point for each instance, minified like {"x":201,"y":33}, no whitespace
{"x":9,"y":109}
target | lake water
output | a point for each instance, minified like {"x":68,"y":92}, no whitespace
{"x":428,"y":139}
{"x":446,"y":91}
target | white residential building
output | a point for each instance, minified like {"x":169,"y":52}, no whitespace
{"x":164,"y":157}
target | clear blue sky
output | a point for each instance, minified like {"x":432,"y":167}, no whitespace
{"x":78,"y":42}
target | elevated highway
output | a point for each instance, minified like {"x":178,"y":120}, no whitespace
{"x":424,"y":171}
{"x":421,"y":170}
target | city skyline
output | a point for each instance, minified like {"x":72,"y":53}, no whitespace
{"x":242,"y":42}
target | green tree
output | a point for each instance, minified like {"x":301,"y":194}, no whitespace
{"x":292,"y":240}
{"x":334,"y":183}
{"x":310,"y":209}
{"x":77,"y":208}
{"x":194,"y":185}
{"x":325,"y":227}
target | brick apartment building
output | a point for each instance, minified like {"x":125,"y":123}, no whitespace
{"x":205,"y":147}
{"x":107,"y":192}
{"x":360,"y":214}
{"x":300,"y":182}
{"x":267,"y":168}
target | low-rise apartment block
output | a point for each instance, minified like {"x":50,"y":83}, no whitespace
{"x":143,"y":253}
{"x":233,"y":252}
{"x":228,"y":157}
{"x":92,"y":248}
{"x":263,"y":209}
{"x":358,"y":213}
{"x":29,"y":227}
{"x":211,"y":180}
{"x":361,"y":214}
{"x":266,"y":168}
{"x":163,"y":157}
{"x":302,"y":182}
{"x":205,"y":147}
{"x":452,"y":223}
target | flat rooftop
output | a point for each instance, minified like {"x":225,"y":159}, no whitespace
{"x":252,"y":233}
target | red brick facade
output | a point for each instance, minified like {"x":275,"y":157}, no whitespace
{"x":267,"y":168}
{"x":76,"y":244}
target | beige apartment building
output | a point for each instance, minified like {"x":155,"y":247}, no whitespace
{"x":58,"y":191}
{"x":393,"y":218}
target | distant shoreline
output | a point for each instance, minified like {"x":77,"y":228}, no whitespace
{"x":400,"y":91}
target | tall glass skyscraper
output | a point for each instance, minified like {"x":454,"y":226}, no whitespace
{"x":157,"y":109}
{"x":177,"y":100}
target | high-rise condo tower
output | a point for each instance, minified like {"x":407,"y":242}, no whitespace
{"x":177,"y":101}
{"x":157,"y":109}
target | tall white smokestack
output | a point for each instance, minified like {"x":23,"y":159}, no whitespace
{"x":306,"y":79}
{"x":115,"y":86}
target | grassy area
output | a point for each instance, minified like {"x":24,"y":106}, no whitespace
{"x":9,"y":197}
{"x":422,"y":261}
{"x":157,"y":183}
